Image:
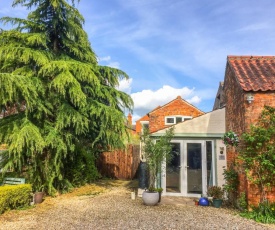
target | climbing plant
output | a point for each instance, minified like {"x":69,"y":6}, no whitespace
{"x":257,"y":155}
{"x":231,"y":183}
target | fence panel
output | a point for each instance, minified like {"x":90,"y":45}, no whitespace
{"x":120,"y":164}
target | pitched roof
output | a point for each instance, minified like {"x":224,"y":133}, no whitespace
{"x":211,"y":124}
{"x":177,"y":98}
{"x":254,"y":73}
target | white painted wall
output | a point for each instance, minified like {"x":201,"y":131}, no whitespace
{"x":220,"y":162}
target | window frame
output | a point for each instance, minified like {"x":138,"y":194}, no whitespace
{"x":174,"y":118}
{"x":142,"y":125}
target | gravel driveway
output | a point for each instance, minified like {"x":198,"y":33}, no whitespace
{"x":114,"y":209}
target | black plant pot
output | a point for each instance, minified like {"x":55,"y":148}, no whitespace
{"x":159,"y":197}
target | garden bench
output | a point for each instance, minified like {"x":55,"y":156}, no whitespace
{"x":13,"y":181}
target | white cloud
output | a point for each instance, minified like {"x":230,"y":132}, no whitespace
{"x":114,"y":65}
{"x":107,"y":61}
{"x":147,"y":100}
{"x":254,"y":27}
{"x":107,"y":58}
{"x":194,"y":100}
{"x":125,"y":85}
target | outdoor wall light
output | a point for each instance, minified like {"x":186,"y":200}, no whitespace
{"x":249,"y":98}
{"x":221,"y":150}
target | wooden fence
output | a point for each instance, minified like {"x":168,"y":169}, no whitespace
{"x":120,"y":164}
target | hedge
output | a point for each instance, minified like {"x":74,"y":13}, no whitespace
{"x":14,"y":196}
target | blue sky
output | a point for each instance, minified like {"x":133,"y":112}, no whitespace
{"x":173,"y":47}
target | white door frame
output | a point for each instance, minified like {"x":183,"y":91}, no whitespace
{"x":183,"y":169}
{"x":163,"y":174}
{"x":203,"y":165}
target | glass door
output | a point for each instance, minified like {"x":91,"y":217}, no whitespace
{"x":194,"y":168}
{"x":190,"y":170}
{"x":173,"y":170}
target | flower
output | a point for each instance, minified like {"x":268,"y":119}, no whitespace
{"x":230,"y":138}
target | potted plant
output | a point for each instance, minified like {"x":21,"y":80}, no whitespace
{"x":39,"y":193}
{"x":196,"y":200}
{"x":230,"y":138}
{"x":155,"y":153}
{"x":216,"y":192}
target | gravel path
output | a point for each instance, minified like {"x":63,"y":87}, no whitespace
{"x":115,"y":210}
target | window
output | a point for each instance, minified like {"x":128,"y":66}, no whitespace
{"x":171,"y":120}
{"x":144,"y":125}
{"x":178,"y":120}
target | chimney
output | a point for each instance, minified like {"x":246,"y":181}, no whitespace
{"x":129,"y":119}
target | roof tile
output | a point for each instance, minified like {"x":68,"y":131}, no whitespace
{"x":254,"y":73}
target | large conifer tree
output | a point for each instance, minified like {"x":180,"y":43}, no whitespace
{"x":62,"y":100}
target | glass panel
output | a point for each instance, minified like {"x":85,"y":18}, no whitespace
{"x":209,"y":163}
{"x":170,"y":120}
{"x":173,"y":170}
{"x":178,"y":120}
{"x":194,"y":169}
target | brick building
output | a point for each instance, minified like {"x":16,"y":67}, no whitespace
{"x":173,"y":112}
{"x":220,"y":98}
{"x":249,"y":85}
{"x":198,"y":156}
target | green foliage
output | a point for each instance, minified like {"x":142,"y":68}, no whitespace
{"x":264,"y":213}
{"x":231,"y":178}
{"x":231,"y":184}
{"x":159,"y":190}
{"x":81,"y":168}
{"x":230,"y":138}
{"x":242,"y":201}
{"x":14,"y":196}
{"x":156,"y":152}
{"x":54,"y":95}
{"x":257,"y":155}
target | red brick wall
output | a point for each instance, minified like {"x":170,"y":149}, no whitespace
{"x":175,"y":107}
{"x":252,"y":114}
{"x":239,"y":117}
{"x":234,"y":117}
{"x":138,"y":124}
{"x":235,"y":109}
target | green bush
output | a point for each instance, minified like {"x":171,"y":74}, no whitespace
{"x":14,"y":196}
{"x":81,"y":168}
{"x":264,"y":213}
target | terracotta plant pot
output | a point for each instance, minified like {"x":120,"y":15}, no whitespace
{"x":38,"y":197}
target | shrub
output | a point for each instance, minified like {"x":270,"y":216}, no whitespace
{"x":242,"y":201}
{"x":14,"y":196}
{"x":231,"y":184}
{"x":264,"y":213}
{"x":81,"y":168}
